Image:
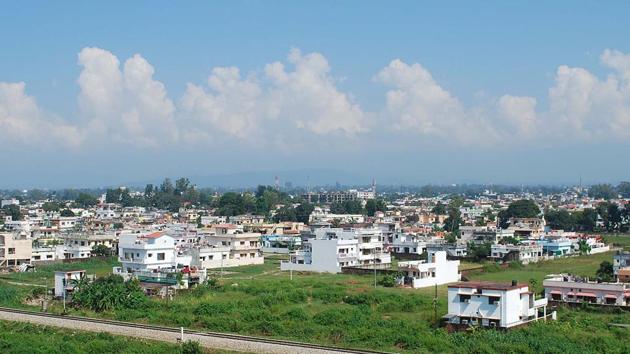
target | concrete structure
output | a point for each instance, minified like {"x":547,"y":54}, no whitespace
{"x":80,"y":245}
{"x":65,"y":281}
{"x":15,"y":249}
{"x":437,"y":270}
{"x":146,"y":252}
{"x":408,"y":244}
{"x":556,"y":247}
{"x":492,"y":305}
{"x":325,"y":255}
{"x":282,"y":244}
{"x":334,"y":248}
{"x":571,"y":289}
{"x":621,"y":259}
{"x":239,"y":249}
{"x":524,"y":253}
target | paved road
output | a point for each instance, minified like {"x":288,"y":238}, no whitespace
{"x":209,"y":341}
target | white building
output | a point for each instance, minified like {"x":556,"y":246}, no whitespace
{"x":325,"y":255}
{"x":525,"y":253}
{"x":334,"y":248}
{"x":408,"y":244}
{"x":492,"y":305}
{"x":6,"y":202}
{"x":65,"y":281}
{"x":15,"y":250}
{"x":80,"y":245}
{"x":572,"y":289}
{"x":437,"y":270}
{"x":146,"y":252}
{"x":228,"y":250}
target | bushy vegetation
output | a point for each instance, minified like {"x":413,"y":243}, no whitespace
{"x":24,"y":338}
{"x":108,"y":293}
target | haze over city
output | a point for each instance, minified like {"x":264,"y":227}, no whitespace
{"x":408,"y":94}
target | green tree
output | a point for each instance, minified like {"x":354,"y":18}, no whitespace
{"x":101,"y":251}
{"x":50,"y":206}
{"x":303,"y":212}
{"x":624,"y":189}
{"x":586,"y":219}
{"x":13,"y":211}
{"x":374,"y":205}
{"x":286,"y":213}
{"x":560,"y":220}
{"x":524,"y":208}
{"x":602,"y":191}
{"x":583,"y":247}
{"x":66,"y":213}
{"x":605,"y":272}
{"x":439,"y":209}
{"x":113,"y":195}
{"x":84,"y":200}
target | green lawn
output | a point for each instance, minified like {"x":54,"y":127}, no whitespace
{"x":585,"y":266}
{"x":18,"y":338}
{"x":346,"y":310}
{"x":619,"y":240}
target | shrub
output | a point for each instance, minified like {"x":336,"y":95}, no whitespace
{"x":191,"y":347}
{"x":388,"y":281}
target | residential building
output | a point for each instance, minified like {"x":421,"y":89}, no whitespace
{"x":408,"y":244}
{"x":556,"y":247}
{"x":326,"y":254}
{"x":490,"y":304}
{"x":66,"y":281}
{"x":572,"y":289}
{"x":146,"y":252}
{"x":80,"y":245}
{"x":244,"y":249}
{"x":621,"y":259}
{"x":15,"y":249}
{"x":524,"y":253}
{"x":437,"y":270}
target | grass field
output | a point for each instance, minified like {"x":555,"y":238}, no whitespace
{"x":346,"y":310}
{"x":24,"y":338}
{"x":619,"y":240}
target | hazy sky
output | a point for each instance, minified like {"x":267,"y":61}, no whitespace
{"x":407,"y":92}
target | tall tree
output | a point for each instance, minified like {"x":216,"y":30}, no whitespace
{"x":602,"y":191}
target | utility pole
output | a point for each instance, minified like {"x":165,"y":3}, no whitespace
{"x":374,"y":253}
{"x":435,"y":301}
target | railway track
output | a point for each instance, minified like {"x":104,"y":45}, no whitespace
{"x":290,"y":346}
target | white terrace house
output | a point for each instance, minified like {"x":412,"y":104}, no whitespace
{"x":437,"y":270}
{"x":525,"y":253}
{"x":334,"y":248}
{"x":228,"y":250}
{"x":146,"y":252}
{"x":492,"y":305}
{"x":408,"y":243}
{"x":80,"y":245}
{"x":323,"y":255}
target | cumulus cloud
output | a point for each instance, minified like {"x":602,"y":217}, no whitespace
{"x":581,"y":106}
{"x":305,"y":98}
{"x":291,"y":101}
{"x":23,"y":123}
{"x":127,"y":105}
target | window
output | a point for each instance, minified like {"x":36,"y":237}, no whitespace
{"x":150,"y":255}
{"x":464,"y":298}
{"x":242,"y":243}
{"x":252,"y":255}
{"x":11,"y":250}
{"x":160,"y":256}
{"x":493,"y":300}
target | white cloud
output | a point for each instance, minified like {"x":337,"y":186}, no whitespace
{"x":418,"y":103}
{"x":305,"y":98}
{"x":23,"y":123}
{"x":127,"y":106}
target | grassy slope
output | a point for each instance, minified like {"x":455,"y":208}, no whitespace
{"x":17,"y":337}
{"x":346,"y":310}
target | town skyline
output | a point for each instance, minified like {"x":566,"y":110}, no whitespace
{"x":521,"y":95}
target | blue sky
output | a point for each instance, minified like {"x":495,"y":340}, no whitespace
{"x":476,"y":107}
